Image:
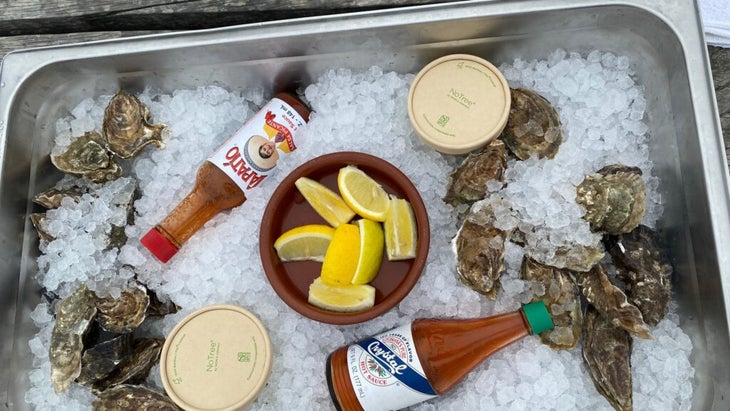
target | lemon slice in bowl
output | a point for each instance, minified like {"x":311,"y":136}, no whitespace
{"x":371,"y":251}
{"x":307,"y":242}
{"x":341,"y":298}
{"x":328,"y":204}
{"x":401,"y":237}
{"x":364,"y":195}
{"x":343,"y":253}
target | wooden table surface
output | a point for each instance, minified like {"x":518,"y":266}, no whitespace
{"x":34,"y":23}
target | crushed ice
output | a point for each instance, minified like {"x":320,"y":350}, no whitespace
{"x":602,"y":111}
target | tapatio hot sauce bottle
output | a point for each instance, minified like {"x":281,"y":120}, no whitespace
{"x":239,"y":165}
{"x":423,"y":359}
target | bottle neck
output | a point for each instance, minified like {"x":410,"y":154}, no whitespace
{"x":450,"y":349}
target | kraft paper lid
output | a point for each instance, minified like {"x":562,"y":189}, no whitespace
{"x":216,"y":358}
{"x":459,"y":103}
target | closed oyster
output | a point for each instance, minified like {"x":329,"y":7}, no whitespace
{"x":645,"y":270}
{"x":73,"y":318}
{"x":52,"y":198}
{"x":127,"y":126}
{"x":479,"y":249}
{"x":469,"y":181}
{"x":557,"y":290}
{"x":614,"y":198}
{"x":576,"y":257}
{"x":88,"y":157}
{"x":160,"y":308}
{"x":101,"y":359}
{"x":123,"y":314}
{"x":137,"y":366}
{"x":37,"y":220}
{"x":607,"y":355}
{"x":611,"y":302}
{"x":533,"y":126}
{"x":133,"y":397}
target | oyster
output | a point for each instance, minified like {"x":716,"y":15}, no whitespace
{"x":127,"y":126}
{"x":73,"y":318}
{"x":160,"y":308}
{"x":52,"y":198}
{"x":100,"y":360}
{"x":562,"y":299}
{"x":469,"y":181}
{"x":137,"y":366}
{"x":133,"y":397}
{"x":607,"y":355}
{"x":611,"y":302}
{"x":576,"y":257}
{"x":479,"y":249}
{"x":613,"y":198}
{"x":88,"y":157}
{"x":641,"y":265}
{"x":37,"y":220}
{"x":533,"y":126}
{"x":123,"y":314}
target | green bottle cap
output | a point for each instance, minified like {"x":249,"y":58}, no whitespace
{"x":538,"y":317}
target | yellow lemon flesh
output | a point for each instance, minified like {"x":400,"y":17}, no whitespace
{"x":400,"y":230}
{"x":307,"y":242}
{"x":363,"y":194}
{"x":341,"y":298}
{"x":371,"y":251}
{"x":343,"y":253}
{"x":328,"y":204}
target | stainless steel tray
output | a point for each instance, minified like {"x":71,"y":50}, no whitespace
{"x":663,"y":41}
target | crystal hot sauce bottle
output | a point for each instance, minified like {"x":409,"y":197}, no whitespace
{"x":423,"y":359}
{"x":239,"y":165}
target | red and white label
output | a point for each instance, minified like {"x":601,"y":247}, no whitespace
{"x":253,"y":151}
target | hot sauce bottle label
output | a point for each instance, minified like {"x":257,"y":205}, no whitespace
{"x":252,"y":152}
{"x":386,"y":372}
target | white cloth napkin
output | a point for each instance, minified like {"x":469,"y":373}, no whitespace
{"x":716,"y":21}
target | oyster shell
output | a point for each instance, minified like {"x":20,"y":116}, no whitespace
{"x":645,"y":270}
{"x":160,"y":308}
{"x":562,"y":299}
{"x":607,"y":355}
{"x":479,"y":249}
{"x":468,"y":183}
{"x":533,"y":126}
{"x":100,"y":360}
{"x":73,"y":318}
{"x":37,"y":220}
{"x":124,"y":314}
{"x":52,"y":198}
{"x":576,"y":257}
{"x":137,"y":366}
{"x":611,"y":302}
{"x":133,"y":397}
{"x":127,"y":126}
{"x":88,"y":157}
{"x":614,"y":198}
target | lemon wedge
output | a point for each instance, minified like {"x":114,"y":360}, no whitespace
{"x":341,"y":298}
{"x":307,"y":242}
{"x":343,"y":253}
{"x":363,"y":194}
{"x":328,"y":204}
{"x":400,"y":230}
{"x":371,"y":251}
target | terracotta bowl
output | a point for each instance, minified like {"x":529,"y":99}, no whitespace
{"x":287,"y":209}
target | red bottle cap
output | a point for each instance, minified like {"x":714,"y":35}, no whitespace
{"x":159,"y":245}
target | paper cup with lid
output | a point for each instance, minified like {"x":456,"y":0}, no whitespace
{"x":217,"y":358}
{"x":459,"y":103}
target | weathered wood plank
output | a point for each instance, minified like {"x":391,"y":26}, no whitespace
{"x":720,"y":63}
{"x":68,"y":16}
